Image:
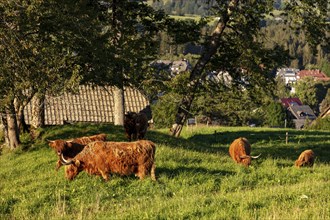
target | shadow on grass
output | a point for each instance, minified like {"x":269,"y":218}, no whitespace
{"x":271,"y":144}
{"x":191,"y":171}
{"x":71,"y":131}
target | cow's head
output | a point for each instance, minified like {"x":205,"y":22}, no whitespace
{"x":59,"y":145}
{"x":246,"y":159}
{"x":73,"y":168}
{"x":298,"y":163}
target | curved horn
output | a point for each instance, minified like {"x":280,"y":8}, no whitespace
{"x":64,"y":161}
{"x":255,"y":157}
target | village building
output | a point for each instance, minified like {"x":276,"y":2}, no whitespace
{"x":301,"y":114}
{"x":288,"y":75}
{"x":315,"y":74}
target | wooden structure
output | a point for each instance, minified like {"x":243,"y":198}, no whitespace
{"x":90,"y":104}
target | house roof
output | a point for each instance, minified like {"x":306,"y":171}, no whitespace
{"x":316,"y":74}
{"x":180,"y":66}
{"x":302,"y":112}
{"x":90,"y":104}
{"x":290,"y":101}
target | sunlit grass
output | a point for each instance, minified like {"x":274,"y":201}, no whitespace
{"x":196,"y":178}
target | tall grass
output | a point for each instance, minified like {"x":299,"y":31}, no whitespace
{"x":196,"y":178}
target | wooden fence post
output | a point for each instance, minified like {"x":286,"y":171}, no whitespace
{"x":286,"y":137}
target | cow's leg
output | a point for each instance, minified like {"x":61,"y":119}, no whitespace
{"x":141,"y":172}
{"x":152,"y":172}
{"x":134,"y":136}
{"x":104,"y":175}
{"x":58,"y":165}
{"x":140,"y":136}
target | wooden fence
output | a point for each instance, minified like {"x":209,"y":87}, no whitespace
{"x":88,"y":105}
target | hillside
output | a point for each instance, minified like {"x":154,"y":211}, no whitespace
{"x":196,"y":178}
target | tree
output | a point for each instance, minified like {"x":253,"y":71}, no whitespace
{"x":40,"y":46}
{"x":131,"y":28}
{"x":53,"y":46}
{"x":312,"y":92}
{"x":238,"y":29}
{"x":275,"y":115}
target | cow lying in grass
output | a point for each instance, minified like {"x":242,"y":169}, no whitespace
{"x":105,"y":158}
{"x":240,"y":150}
{"x":136,"y":125}
{"x":306,"y":158}
{"x":69,"y":149}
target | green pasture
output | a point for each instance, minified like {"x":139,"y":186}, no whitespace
{"x":196,"y":178}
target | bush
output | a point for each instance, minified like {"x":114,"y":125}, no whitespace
{"x":274,"y":115}
{"x":320,"y":124}
{"x":164,"y":110}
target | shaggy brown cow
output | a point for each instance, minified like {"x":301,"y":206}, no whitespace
{"x":104,"y":158}
{"x":240,"y":150}
{"x":72,"y":147}
{"x":136,"y":125}
{"x":306,"y":158}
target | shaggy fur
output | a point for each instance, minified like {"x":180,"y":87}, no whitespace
{"x":136,"y":125}
{"x":124,"y":158}
{"x":306,"y":158}
{"x":71,"y":148}
{"x":240,"y":150}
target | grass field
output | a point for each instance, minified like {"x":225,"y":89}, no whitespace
{"x":196,"y":178}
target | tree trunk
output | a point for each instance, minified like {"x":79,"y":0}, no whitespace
{"x":21,"y":124}
{"x":5,"y":128}
{"x":11,"y":127}
{"x":198,"y":71}
{"x":38,"y":111}
{"x":119,"y":106}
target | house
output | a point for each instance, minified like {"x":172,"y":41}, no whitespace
{"x":160,"y":65}
{"x":180,"y":66}
{"x":316,"y":74}
{"x":89,"y":104}
{"x":288,"y":75}
{"x":287,"y":102}
{"x":300,"y":113}
{"x":173,"y":67}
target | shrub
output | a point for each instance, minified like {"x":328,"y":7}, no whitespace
{"x":320,"y":124}
{"x":164,"y":110}
{"x":274,"y":115}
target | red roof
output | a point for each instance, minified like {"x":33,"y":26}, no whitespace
{"x":317,"y":74}
{"x":290,"y":101}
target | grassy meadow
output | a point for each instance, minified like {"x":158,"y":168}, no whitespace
{"x":196,"y":178}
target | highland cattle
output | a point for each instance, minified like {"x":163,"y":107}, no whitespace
{"x":105,"y":158}
{"x":136,"y":125}
{"x":306,"y":158}
{"x":240,"y":150}
{"x":69,"y":149}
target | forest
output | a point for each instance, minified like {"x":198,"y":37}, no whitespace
{"x":50,"y":47}
{"x":275,"y":29}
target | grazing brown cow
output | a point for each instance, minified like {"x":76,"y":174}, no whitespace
{"x":104,"y":158}
{"x":306,"y":158}
{"x":240,"y":150}
{"x":69,"y":149}
{"x":136,"y":125}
